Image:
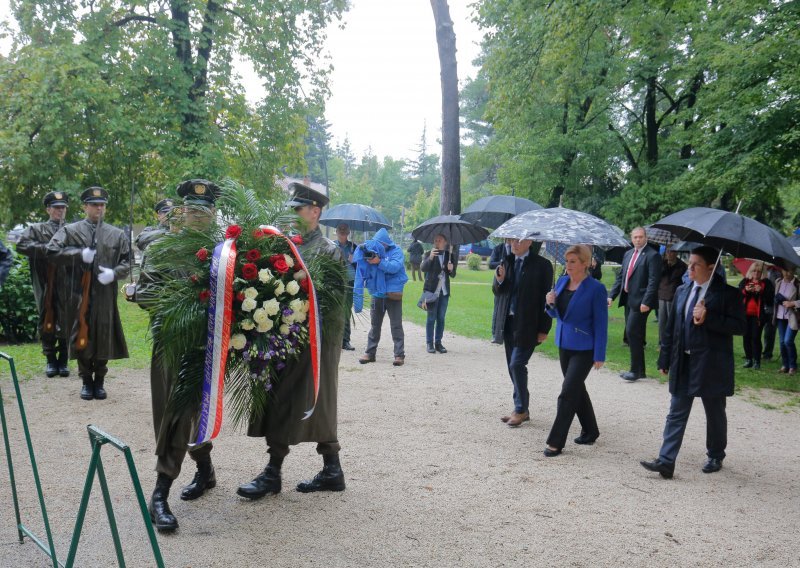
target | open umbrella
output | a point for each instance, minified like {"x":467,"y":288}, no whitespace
{"x":358,"y":217}
{"x":455,"y":230}
{"x":561,"y":225}
{"x":794,"y":240}
{"x":731,"y":232}
{"x":660,"y":236}
{"x":495,"y":210}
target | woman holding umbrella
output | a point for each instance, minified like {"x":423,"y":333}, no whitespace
{"x":438,"y":267}
{"x":757,"y":295}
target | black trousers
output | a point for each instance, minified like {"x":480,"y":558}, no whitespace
{"x":91,"y":370}
{"x":752,"y":338}
{"x":280,"y":450}
{"x":574,"y":398}
{"x":636,"y":330}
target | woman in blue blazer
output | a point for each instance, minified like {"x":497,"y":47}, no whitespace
{"x":580,"y":306}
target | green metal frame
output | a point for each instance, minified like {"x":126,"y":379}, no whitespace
{"x":98,"y":439}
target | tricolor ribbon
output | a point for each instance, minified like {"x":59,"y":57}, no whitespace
{"x":220,"y":313}
{"x":315,"y":344}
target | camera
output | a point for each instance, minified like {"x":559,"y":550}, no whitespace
{"x":368,"y":254}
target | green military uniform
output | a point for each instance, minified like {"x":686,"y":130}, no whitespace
{"x":44,"y":275}
{"x":106,"y":336}
{"x":152,"y":233}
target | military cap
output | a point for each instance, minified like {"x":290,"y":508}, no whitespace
{"x":164,"y":206}
{"x":198,"y":191}
{"x":94,"y":194}
{"x":56,"y":198}
{"x":300,"y":195}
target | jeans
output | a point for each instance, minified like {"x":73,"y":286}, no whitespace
{"x":394,"y":308}
{"x":788,"y":348}
{"x":434,"y":326}
{"x":574,"y":399}
{"x":517,"y":360}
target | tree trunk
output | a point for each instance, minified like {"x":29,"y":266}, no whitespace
{"x":651,"y":124}
{"x":450,"y":202}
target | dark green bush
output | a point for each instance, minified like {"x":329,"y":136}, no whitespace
{"x":19,"y":317}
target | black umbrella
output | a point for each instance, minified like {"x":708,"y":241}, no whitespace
{"x":455,"y":230}
{"x":495,"y":210}
{"x":731,"y":232}
{"x":794,"y":240}
{"x":358,"y":217}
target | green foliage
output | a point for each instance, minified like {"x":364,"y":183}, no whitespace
{"x":473,"y":261}
{"x":19,"y":318}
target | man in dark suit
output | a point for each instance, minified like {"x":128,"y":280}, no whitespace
{"x":499,"y":254}
{"x":698,"y":354}
{"x":637,"y":288}
{"x":522,"y":282}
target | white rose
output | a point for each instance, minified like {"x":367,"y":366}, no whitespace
{"x":293,"y":287}
{"x":288,"y":320}
{"x":289,"y":260}
{"x":249,"y":304}
{"x":272,"y":307}
{"x":305,"y":306}
{"x":300,"y":275}
{"x":265,"y":275}
{"x":247,"y":325}
{"x":300,"y":317}
{"x":251,"y":293}
{"x":264,"y":327}
{"x":284,"y":329}
{"x":296,"y":305}
{"x":260,"y":316}
{"x":238,"y":341}
{"x":280,"y":289}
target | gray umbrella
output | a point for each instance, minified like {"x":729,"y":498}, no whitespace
{"x":495,"y":210}
{"x":455,"y":230}
{"x":561,"y":225}
{"x":358,"y":217}
{"x":660,"y":236}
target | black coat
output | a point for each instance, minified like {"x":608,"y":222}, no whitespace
{"x":643,"y":285}
{"x":432,"y":268}
{"x":711,"y":364}
{"x":530,"y":318}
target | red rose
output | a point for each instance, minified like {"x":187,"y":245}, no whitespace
{"x":233,"y":232}
{"x":297,"y":239}
{"x":204,"y":295}
{"x":258,"y":233}
{"x":240,"y":296}
{"x":194,"y":278}
{"x":279,"y":263}
{"x":253,"y":255}
{"x":202,"y":254}
{"x":250,"y":271}
{"x":304,"y":285}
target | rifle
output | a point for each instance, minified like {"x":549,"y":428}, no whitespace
{"x":49,"y":323}
{"x":82,"y":340}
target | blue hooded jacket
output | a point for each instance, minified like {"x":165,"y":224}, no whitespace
{"x":387,"y":276}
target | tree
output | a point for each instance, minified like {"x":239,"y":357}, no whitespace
{"x":424,"y":170}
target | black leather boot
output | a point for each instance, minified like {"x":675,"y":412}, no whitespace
{"x":331,"y":478}
{"x":430,"y":348}
{"x":63,"y":364}
{"x":162,"y":517}
{"x":87,"y":390}
{"x":267,"y":482}
{"x":99,"y":391}
{"x":204,"y":478}
{"x":51,"y":370}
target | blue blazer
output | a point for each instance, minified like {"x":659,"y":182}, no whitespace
{"x":584,"y":326}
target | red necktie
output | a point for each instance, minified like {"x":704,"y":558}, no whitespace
{"x":630,"y":268}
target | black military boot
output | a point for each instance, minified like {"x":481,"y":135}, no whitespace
{"x":267,"y":482}
{"x":51,"y":370}
{"x":331,"y":478}
{"x":63,"y":363}
{"x":204,"y":478}
{"x":87,"y":390}
{"x":162,"y":517}
{"x":99,"y":391}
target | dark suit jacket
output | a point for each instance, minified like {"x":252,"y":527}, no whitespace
{"x":711,"y":364}
{"x":433,"y":268}
{"x":530,"y":318}
{"x":643,"y":285}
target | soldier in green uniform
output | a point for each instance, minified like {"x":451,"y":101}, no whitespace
{"x":282,"y":423}
{"x":97,"y":255}
{"x":174,"y":431}
{"x":151,"y":233}
{"x":52,"y":300}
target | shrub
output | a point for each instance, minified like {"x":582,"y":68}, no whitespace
{"x":473,"y":261}
{"x":19,"y":317}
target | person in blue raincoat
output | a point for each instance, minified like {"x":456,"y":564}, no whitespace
{"x":380,"y":268}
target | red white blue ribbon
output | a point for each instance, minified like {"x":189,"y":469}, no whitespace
{"x":314,"y":342}
{"x":220,"y":314}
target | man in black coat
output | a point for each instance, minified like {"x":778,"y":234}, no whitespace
{"x":522,"y":282}
{"x":698,"y":354}
{"x":499,"y":254}
{"x":637,"y":288}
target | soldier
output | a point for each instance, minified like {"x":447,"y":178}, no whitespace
{"x":281,"y":425}
{"x":52,"y":300}
{"x":6,"y":260}
{"x":174,"y":431}
{"x":97,"y":254}
{"x":150,"y":234}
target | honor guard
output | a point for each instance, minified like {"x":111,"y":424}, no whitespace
{"x":163,"y":208}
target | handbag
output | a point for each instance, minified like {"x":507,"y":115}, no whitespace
{"x":429,"y":299}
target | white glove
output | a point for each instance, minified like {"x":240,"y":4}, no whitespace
{"x":88,"y":255}
{"x":106,"y":275}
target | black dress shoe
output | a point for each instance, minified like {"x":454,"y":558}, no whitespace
{"x":748,"y":363}
{"x":630,"y":376}
{"x":267,"y":482}
{"x":439,"y":347}
{"x":712,"y":465}
{"x":430,"y":348}
{"x":204,"y":478}
{"x":666,"y":470}
{"x":551,"y":453}
{"x":586,"y":439}
{"x":331,"y":478}
{"x":87,"y":391}
{"x":347,"y":347}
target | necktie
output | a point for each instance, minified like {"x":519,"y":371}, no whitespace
{"x":515,"y":284}
{"x":687,"y":320}
{"x":630,"y":268}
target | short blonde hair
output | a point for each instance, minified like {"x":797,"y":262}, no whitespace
{"x":583,"y":252}
{"x":751,"y":272}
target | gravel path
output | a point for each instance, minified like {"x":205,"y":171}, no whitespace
{"x":433,"y":477}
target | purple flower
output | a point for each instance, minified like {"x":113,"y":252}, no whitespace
{"x":280,"y":366}
{"x":287,"y":312}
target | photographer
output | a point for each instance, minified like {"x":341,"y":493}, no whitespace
{"x":438,"y":268}
{"x":380,"y":267}
{"x":757,"y":294}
